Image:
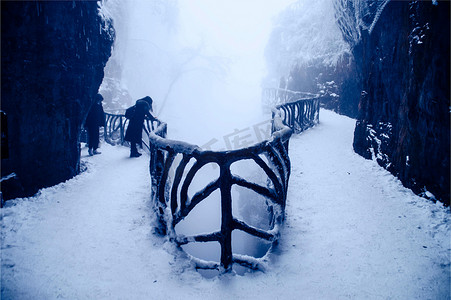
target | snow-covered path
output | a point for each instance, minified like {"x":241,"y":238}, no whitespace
{"x":360,"y":234}
{"x":352,"y":232}
{"x":83,"y":239}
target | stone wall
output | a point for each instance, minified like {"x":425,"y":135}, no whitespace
{"x":53,"y":54}
{"x":404,"y":106}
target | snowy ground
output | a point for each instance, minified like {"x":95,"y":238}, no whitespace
{"x":352,"y":232}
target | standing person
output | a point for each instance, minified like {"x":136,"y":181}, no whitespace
{"x":140,"y":111}
{"x":94,"y":120}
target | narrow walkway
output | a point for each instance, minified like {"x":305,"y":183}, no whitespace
{"x":352,"y":232}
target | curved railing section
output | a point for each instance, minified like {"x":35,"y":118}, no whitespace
{"x":116,"y":126}
{"x":173,"y":204}
{"x":175,"y":164}
{"x":299,"y":115}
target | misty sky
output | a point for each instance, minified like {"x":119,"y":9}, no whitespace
{"x":233,"y":27}
{"x":237,"y":31}
{"x":221,"y":86}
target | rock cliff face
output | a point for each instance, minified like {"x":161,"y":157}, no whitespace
{"x":338,"y":85}
{"x":404,"y":106}
{"x":53,"y":54}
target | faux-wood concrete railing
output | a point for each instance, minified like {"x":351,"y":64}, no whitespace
{"x":173,"y":204}
{"x":116,"y":126}
{"x":170,"y":193}
{"x":299,"y":115}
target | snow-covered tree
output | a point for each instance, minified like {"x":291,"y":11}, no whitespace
{"x":305,"y":34}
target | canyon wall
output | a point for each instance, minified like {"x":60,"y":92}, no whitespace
{"x":53,"y":55}
{"x":403,"y":119}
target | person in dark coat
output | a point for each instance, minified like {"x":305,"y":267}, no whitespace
{"x":94,"y":120}
{"x":143,"y":109}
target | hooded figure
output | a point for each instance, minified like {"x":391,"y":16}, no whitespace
{"x":94,"y":120}
{"x":142,"y":110}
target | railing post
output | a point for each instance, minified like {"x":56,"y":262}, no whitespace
{"x":273,"y":128}
{"x":105,"y":130}
{"x":121,"y":130}
{"x":226,"y":216}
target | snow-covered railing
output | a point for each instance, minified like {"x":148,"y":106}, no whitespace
{"x":272,"y":97}
{"x":299,"y":115}
{"x":173,"y":166}
{"x":116,"y":125}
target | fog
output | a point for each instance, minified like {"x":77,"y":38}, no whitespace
{"x":201,"y":61}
